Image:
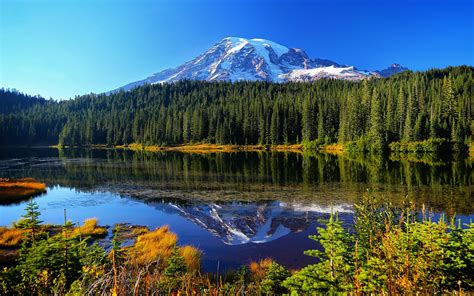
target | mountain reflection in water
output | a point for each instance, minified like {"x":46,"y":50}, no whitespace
{"x":260,"y":222}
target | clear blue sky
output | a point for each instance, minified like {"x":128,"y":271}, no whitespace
{"x":65,"y":48}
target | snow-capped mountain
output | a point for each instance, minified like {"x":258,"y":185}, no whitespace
{"x":235,"y":59}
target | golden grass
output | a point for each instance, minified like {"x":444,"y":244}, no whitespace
{"x":292,"y":147}
{"x":14,"y":189}
{"x":23,"y":183}
{"x":333,"y":148}
{"x":259,"y":269}
{"x":192,"y":257}
{"x":90,"y":228}
{"x":10,"y":237}
{"x":212,"y":148}
{"x":152,"y":246}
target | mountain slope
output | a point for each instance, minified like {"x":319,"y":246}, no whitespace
{"x":235,"y":59}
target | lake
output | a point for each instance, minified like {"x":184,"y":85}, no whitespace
{"x":238,"y":206}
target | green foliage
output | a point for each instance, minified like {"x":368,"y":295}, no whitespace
{"x":361,"y":145}
{"x":174,"y":271}
{"x":313,"y":145}
{"x":393,"y":252}
{"x":51,"y":265}
{"x":176,"y":265}
{"x":275,"y":275}
{"x":431,"y":145}
{"x":31,"y":223}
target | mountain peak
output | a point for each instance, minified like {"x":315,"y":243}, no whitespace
{"x":392,"y":70}
{"x":259,"y":44}
{"x":258,"y":59}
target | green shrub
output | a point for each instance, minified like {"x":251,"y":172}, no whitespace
{"x":313,"y":145}
{"x":436,"y":145}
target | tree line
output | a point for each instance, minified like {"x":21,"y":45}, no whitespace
{"x":410,"y":106}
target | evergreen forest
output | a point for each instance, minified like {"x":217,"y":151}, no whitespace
{"x":430,"y":108}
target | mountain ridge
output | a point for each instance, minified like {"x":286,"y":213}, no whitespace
{"x":240,"y":59}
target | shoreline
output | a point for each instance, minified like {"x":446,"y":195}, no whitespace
{"x":335,"y":148}
{"x":196,"y":148}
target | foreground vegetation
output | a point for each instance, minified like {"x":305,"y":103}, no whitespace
{"x":435,"y":104}
{"x":387,"y":250}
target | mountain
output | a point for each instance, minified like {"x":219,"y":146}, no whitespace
{"x":235,"y":58}
{"x":392,"y":70}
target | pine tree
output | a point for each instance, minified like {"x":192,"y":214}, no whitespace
{"x":333,"y":273}
{"x":31,"y":223}
{"x":376,"y":132}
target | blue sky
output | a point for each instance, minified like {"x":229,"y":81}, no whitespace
{"x":65,"y":48}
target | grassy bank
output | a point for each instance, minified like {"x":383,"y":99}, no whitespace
{"x":361,"y":146}
{"x":16,"y":190}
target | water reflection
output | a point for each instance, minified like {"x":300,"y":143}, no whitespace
{"x":249,"y":176}
{"x":258,"y":222}
{"x":235,"y":207}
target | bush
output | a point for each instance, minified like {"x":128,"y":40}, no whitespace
{"x":436,"y":145}
{"x":361,"y":145}
{"x":313,"y":145}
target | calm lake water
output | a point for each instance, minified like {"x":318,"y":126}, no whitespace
{"x":235,"y":207}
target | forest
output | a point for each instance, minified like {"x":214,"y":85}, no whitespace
{"x":431,"y":109}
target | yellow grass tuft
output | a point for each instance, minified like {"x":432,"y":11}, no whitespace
{"x":259,"y":269}
{"x":192,"y":257}
{"x":152,"y":246}
{"x":90,"y":228}
{"x":10,"y":237}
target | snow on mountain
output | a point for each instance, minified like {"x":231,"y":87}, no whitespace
{"x":236,"y":59}
{"x":346,"y":73}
